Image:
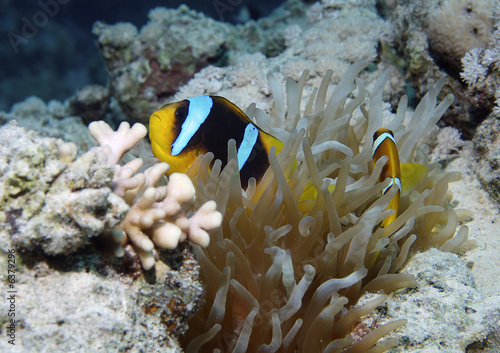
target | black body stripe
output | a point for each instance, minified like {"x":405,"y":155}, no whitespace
{"x":222,"y":124}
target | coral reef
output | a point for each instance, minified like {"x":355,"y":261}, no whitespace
{"x":433,"y":37}
{"x":446,"y":300}
{"x":146,"y":71}
{"x":44,"y":187}
{"x":487,"y":156}
{"x":148,"y":66}
{"x":53,"y":119}
{"x":57,"y":210}
{"x":158,"y":215}
{"x":48,"y":50}
{"x":282,"y":273}
{"x":335,"y":35}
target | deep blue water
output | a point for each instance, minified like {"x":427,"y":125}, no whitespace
{"x":47,"y":48}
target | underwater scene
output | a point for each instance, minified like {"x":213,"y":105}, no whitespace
{"x":231,"y":176}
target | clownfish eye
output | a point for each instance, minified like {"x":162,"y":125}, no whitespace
{"x":180,"y":114}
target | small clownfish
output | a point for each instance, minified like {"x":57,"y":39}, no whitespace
{"x":181,"y":131}
{"x":405,"y":176}
{"x":385,"y":145}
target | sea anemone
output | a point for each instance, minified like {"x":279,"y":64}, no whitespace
{"x":284,"y":271}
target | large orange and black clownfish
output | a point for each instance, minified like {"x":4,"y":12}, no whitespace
{"x":181,"y":131}
{"x":403,"y":176}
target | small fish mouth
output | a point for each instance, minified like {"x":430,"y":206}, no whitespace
{"x":155,"y":134}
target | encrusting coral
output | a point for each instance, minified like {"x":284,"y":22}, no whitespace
{"x":433,"y":36}
{"x":282,"y":279}
{"x":151,"y":65}
{"x":55,"y":203}
{"x":148,"y":65}
{"x":51,"y":202}
{"x":455,"y":27}
{"x":157,"y":215}
{"x":481,"y":73}
{"x":56,"y":211}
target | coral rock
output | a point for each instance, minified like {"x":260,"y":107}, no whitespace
{"x":149,"y":65}
{"x":48,"y":204}
{"x":90,"y":103}
{"x":53,"y":119}
{"x":120,"y":313}
{"x":433,"y":37}
{"x":447,"y":312}
{"x":487,"y":156}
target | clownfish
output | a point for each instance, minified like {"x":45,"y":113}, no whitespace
{"x":181,"y":131}
{"x":384,"y":144}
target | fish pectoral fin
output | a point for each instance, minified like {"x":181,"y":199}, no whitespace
{"x":310,"y":192}
{"x":412,"y":174}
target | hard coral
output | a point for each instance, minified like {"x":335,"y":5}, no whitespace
{"x":455,"y":27}
{"x":43,"y":187}
{"x":447,"y":301}
{"x":57,"y":210}
{"x":283,"y":278}
{"x":51,"y":119}
{"x":51,"y":202}
{"x":158,"y":215}
{"x":346,"y":32}
{"x":149,"y":65}
{"x":433,"y":36}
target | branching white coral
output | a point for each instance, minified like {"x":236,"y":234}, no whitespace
{"x":473,"y":70}
{"x":448,"y":141}
{"x":480,"y":68}
{"x":119,"y":141}
{"x":158,"y":215}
